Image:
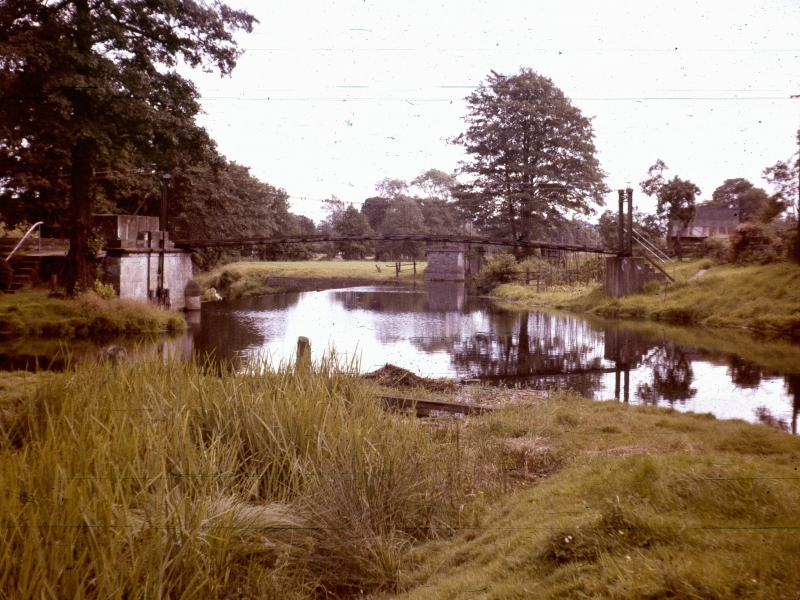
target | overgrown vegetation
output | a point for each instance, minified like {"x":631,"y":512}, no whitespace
{"x":166,"y":479}
{"x":764,"y":298}
{"x":245,"y":279}
{"x":33,"y":313}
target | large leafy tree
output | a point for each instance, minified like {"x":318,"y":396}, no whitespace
{"x":784,"y":176}
{"x":532,"y":157}
{"x":740,"y":194}
{"x":89,"y":89}
{"x":675,"y":201}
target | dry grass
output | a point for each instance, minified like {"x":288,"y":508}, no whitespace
{"x":32,"y":313}
{"x":764,"y":298}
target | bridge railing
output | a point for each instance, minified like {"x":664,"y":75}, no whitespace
{"x":656,"y":257}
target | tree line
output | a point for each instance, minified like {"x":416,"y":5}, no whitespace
{"x":94,"y":113}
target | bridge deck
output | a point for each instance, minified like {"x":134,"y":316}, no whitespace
{"x":399,"y":237}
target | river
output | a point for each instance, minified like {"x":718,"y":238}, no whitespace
{"x":440,"y":331}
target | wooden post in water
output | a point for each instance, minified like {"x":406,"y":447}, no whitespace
{"x":303,"y":352}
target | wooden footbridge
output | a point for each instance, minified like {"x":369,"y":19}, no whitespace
{"x":394,"y":237}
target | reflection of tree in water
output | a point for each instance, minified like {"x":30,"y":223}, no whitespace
{"x":546,"y":351}
{"x":672,"y":376}
{"x":744,"y":374}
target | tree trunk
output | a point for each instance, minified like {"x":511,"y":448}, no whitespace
{"x":79,"y":274}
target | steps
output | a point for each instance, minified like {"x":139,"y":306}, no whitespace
{"x":26,"y":273}
{"x":650,"y":274}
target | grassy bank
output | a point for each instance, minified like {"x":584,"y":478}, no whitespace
{"x":32,"y":313}
{"x":648,"y":503}
{"x":764,"y":298}
{"x":244,"y":279}
{"x":162,"y":479}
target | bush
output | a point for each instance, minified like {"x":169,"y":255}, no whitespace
{"x":499,"y":269}
{"x":755,"y":243}
{"x":716,"y":248}
{"x":6,"y":274}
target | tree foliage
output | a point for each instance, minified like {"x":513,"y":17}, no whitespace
{"x":532,"y":157}
{"x":740,"y":194}
{"x":88,"y":90}
{"x":676,"y":200}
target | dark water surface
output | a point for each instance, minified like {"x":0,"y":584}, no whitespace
{"x":440,"y":331}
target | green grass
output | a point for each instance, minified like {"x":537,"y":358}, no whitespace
{"x":646,"y":503}
{"x":32,"y":313}
{"x":244,"y":279}
{"x":164,"y":479}
{"x":764,"y":298}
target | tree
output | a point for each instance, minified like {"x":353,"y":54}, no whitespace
{"x":676,"y":201}
{"x":739,"y":194}
{"x":646,"y":224}
{"x":784,"y":175}
{"x":532,"y":157}
{"x":404,"y":216}
{"x":352,"y":222}
{"x":88,"y":88}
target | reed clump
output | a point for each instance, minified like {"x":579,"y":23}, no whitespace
{"x":165,"y":479}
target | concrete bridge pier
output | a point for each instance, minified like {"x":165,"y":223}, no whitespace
{"x":625,"y":275}
{"x":445,"y":264}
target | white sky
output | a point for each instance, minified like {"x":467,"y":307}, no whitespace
{"x":331,"y":97}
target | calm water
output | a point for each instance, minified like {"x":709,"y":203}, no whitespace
{"x":442,"y":332}
{"x":439,"y":331}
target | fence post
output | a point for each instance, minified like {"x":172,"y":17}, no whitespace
{"x":303,"y":352}
{"x":415,"y":265}
{"x":527,"y":276}
{"x":397,"y":269}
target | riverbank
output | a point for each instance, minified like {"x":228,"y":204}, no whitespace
{"x":246,"y":279}
{"x":33,"y":313}
{"x":762,"y":298}
{"x":275,"y":483}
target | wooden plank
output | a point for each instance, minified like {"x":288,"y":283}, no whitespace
{"x":420,"y":403}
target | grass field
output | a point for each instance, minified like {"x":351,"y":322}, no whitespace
{"x":243,"y":279}
{"x":32,"y":313}
{"x":163,"y":479}
{"x":764,"y":298}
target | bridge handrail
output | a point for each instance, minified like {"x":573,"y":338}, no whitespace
{"x":656,"y":252}
{"x":391,"y":237}
{"x":25,"y":237}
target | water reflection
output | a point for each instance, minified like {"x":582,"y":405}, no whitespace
{"x":444,"y":332}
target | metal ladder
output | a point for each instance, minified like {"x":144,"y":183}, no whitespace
{"x":654,"y":256}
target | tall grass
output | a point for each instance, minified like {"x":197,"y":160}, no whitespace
{"x":163,"y":479}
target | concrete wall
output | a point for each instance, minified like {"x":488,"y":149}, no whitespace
{"x":625,"y":275}
{"x":128,"y":271}
{"x":445,"y":264}
{"x":123,"y":227}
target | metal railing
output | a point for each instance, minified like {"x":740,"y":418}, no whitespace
{"x":25,"y":237}
{"x":654,"y":255}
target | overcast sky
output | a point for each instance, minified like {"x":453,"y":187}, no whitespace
{"x":331,"y":97}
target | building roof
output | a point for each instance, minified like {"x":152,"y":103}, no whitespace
{"x":716,"y":217}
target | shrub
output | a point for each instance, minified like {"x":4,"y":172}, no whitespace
{"x":6,"y":274}
{"x":716,"y":248}
{"x":755,"y":243}
{"x":499,"y":269}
